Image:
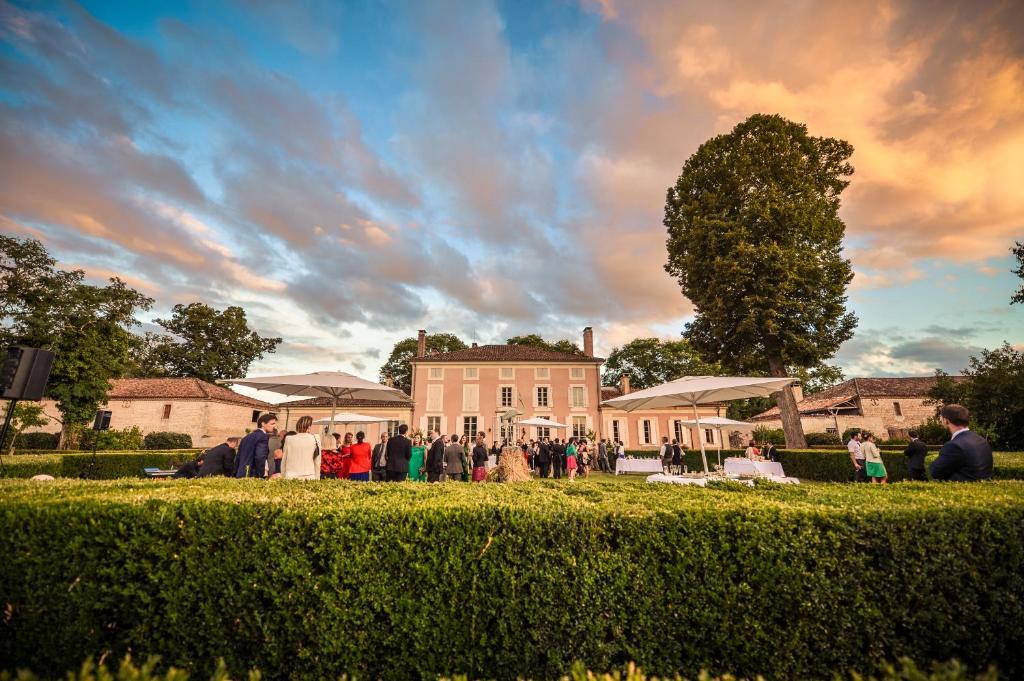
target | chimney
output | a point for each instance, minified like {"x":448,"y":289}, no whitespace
{"x":624,"y":384}
{"x":474,"y":345}
{"x":588,"y":342}
{"x":421,"y":345}
{"x":389,"y":382}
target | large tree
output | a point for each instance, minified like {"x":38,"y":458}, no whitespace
{"x":652,"y":361}
{"x":398,"y":366}
{"x":1018,"y":252}
{"x":86,"y":326}
{"x":537,"y":341}
{"x":993,"y":393}
{"x":755,"y":241}
{"x":202,"y":342}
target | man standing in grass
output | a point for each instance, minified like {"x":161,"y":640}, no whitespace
{"x":857,"y":457}
{"x":254,"y":448}
{"x":915,"y":452}
{"x":967,"y":456}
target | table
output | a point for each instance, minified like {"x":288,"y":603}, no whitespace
{"x":736,"y":465}
{"x":638,"y":466}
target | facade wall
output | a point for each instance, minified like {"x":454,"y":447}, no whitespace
{"x":208,"y":422}
{"x":449,"y":393}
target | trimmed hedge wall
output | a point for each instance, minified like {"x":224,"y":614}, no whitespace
{"x":822,"y":466}
{"x":402,"y":581}
{"x":167,"y":440}
{"x":109,"y":465}
{"x":36,"y":441}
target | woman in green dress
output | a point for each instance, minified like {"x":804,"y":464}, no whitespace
{"x":873,"y":459}
{"x":417,"y":460}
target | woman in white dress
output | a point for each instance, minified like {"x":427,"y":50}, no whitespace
{"x":301,"y":460}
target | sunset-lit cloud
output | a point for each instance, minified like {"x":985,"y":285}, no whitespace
{"x":490,"y":169}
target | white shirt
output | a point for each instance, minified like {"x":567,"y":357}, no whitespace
{"x":962,"y":430}
{"x":854,"y":448}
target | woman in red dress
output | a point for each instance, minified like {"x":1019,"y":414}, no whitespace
{"x":331,"y":462}
{"x":359,"y":468}
{"x":346,"y":457}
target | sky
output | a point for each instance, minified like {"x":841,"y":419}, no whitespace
{"x":349,"y":173}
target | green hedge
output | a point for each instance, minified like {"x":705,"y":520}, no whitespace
{"x":109,"y":465}
{"x":167,"y":440}
{"x":36,"y":441}
{"x":834,"y":466}
{"x":307,"y":581}
{"x":127,"y":670}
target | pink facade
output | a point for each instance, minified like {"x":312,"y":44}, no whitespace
{"x":468,"y":391}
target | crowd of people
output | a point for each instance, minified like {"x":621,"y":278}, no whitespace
{"x":268,"y":452}
{"x":966,"y":457}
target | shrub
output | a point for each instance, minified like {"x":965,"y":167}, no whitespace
{"x":774,"y":435}
{"x":848,"y":433}
{"x":107,"y":466}
{"x":823,"y":439}
{"x":111,"y":440}
{"x":313,"y":580}
{"x":932,"y":432}
{"x":166,"y":440}
{"x":36,"y":441}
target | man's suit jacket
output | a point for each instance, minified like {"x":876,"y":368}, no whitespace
{"x":252,"y":455}
{"x":435,"y":457}
{"x":399,"y":453}
{"x":453,"y":455}
{"x":915,"y":453}
{"x":965,"y":458}
{"x":219,"y":460}
{"x":544,"y":454}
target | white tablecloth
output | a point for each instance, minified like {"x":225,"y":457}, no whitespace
{"x":736,"y":465}
{"x":638,"y":466}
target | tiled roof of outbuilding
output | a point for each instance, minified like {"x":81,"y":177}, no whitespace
{"x":178,"y":389}
{"x":911,"y":386}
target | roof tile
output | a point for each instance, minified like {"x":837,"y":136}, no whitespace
{"x":507,"y":353}
{"x":177,"y":389}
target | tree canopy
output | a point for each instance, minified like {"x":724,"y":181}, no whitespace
{"x":652,"y":361}
{"x":993,"y":394}
{"x":1018,"y":252}
{"x":202,"y":342}
{"x":398,"y":366}
{"x":534,"y":340}
{"x":86,"y":326}
{"x":755,"y":242}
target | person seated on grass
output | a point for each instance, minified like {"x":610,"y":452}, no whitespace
{"x":967,"y":457}
{"x":189,"y":469}
{"x":219,"y":460}
{"x":873,"y":460}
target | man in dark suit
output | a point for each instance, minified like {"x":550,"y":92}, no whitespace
{"x":915,"y":453}
{"x":399,"y":452}
{"x":544,"y":458}
{"x":219,"y":460}
{"x":254,"y":449}
{"x":557,"y":457}
{"x":967,"y":456}
{"x":435,"y":457}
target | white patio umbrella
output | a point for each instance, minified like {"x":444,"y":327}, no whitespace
{"x":542,"y":422}
{"x":337,"y":385}
{"x":348,"y":417}
{"x":694,"y":390}
{"x":717,"y":422}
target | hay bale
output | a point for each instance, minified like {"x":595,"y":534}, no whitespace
{"x":511,"y":467}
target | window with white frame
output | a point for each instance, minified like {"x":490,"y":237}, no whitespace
{"x":577,"y":396}
{"x":471,"y":397}
{"x":543,"y":431}
{"x":576,"y":373}
{"x":542,"y":372}
{"x":647,"y":432}
{"x":469,"y":426}
{"x":680,"y":432}
{"x":507,"y":429}
{"x":470,"y":373}
{"x":579,"y":426}
{"x":435,"y":397}
{"x":392,"y":427}
{"x":506,"y":396}
{"x":709,"y":436}
{"x":542,"y":396}
{"x":616,"y":433}
{"x":436,"y":373}
{"x":434,"y":424}
{"x":507,"y":372}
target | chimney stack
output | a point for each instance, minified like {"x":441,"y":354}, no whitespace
{"x":389,"y":382}
{"x":798,"y":392}
{"x":474,"y":345}
{"x":421,"y":345}
{"x":588,"y":342}
{"x":624,"y":384}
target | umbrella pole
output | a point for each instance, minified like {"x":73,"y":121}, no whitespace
{"x":334,"y":408}
{"x":700,"y":437}
{"x":721,"y":441}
